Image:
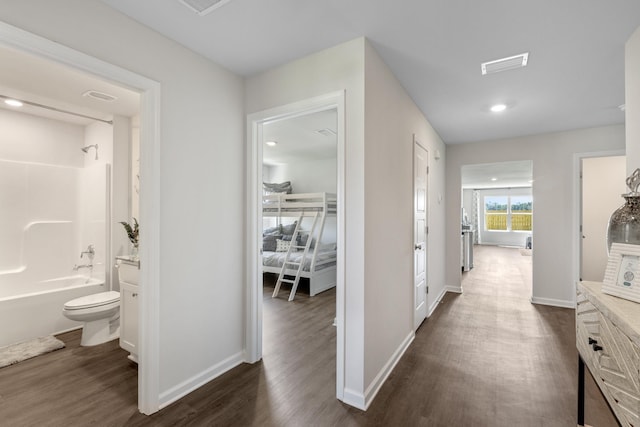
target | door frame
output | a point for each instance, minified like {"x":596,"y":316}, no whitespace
{"x":577,"y":204}
{"x":149,"y":315}
{"x":416,"y":143}
{"x":255,"y":122}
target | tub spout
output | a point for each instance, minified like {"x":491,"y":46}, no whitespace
{"x":78,"y":267}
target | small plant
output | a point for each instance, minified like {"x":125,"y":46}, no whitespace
{"x":132,"y":231}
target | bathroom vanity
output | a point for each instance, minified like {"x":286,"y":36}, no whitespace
{"x":128,"y":276}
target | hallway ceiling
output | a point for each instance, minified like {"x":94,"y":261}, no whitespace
{"x":574,"y":79}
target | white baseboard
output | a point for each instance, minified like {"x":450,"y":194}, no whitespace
{"x":354,"y":398}
{"x":197,"y":381}
{"x":553,"y":302}
{"x":371,"y":391}
{"x":435,"y":302}
{"x":454,"y":289}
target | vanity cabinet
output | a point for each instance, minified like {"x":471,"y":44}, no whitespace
{"x":608,"y":341}
{"x":128,"y":273}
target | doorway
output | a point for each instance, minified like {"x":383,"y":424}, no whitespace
{"x":497,"y":209}
{"x":258,"y":127}
{"x":602,"y":183}
{"x":22,"y":41}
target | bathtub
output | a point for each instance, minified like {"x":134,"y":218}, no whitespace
{"x":37,"y":309}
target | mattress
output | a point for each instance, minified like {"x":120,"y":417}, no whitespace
{"x":324,"y":259}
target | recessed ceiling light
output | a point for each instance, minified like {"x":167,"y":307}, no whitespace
{"x":494,"y":179}
{"x":202,"y":7}
{"x":271,"y":143}
{"x":13,"y":102}
{"x":498,"y":108}
{"x":622,"y":107}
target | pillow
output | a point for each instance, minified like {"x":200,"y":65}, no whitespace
{"x":269,"y":242}
{"x":277,"y":188}
{"x":282,"y":245}
{"x":272,"y":230}
{"x":302,"y":241}
{"x":289,"y":228}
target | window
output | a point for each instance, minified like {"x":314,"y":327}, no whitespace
{"x":508,"y":213}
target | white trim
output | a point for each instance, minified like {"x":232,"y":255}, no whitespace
{"x":253,"y":332}
{"x":577,"y":205}
{"x":149,"y":364}
{"x":436,"y":302}
{"x":371,"y":391}
{"x":553,"y":302}
{"x":454,"y":289}
{"x":197,"y":381}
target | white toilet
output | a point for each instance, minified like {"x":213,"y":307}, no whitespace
{"x":100,"y":313}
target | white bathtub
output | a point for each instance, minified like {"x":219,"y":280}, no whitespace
{"x":37,"y":309}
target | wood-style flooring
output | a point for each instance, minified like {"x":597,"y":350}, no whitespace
{"x":487,"y":357}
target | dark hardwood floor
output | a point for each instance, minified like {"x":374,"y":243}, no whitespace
{"x":487,"y":357}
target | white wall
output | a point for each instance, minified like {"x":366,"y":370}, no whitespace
{"x":201,"y":121}
{"x":553,"y":196}
{"x":632,"y":101}
{"x":308,"y":175}
{"x":391,"y":120}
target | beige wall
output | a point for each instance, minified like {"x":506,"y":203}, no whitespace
{"x":632,"y":101}
{"x":380,"y":121}
{"x":391,"y":119}
{"x":553,"y":157}
{"x":201,"y":309}
{"x":336,"y":69}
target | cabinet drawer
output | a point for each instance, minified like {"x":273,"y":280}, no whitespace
{"x":614,"y":364}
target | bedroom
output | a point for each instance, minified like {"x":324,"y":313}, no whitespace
{"x":300,"y":171}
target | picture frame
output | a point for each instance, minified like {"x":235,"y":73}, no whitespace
{"x":622,"y":276}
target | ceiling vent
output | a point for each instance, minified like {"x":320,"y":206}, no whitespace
{"x":203,"y":7}
{"x":100,"y":96}
{"x":504,"y":64}
{"x":327,"y":132}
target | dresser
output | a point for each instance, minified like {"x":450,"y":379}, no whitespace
{"x":608,"y":342}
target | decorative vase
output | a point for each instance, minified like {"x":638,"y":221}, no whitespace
{"x":134,"y":250}
{"x":624,"y":223}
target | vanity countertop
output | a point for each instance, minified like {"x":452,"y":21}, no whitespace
{"x":128,"y":259}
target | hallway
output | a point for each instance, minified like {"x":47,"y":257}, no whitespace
{"x":486,"y":358}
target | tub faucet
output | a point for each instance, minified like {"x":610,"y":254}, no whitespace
{"x":91,"y":252}
{"x":78,"y":267}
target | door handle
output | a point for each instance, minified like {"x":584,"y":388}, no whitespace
{"x":418,"y":246}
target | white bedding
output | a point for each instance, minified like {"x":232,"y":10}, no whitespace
{"x":276,"y":259}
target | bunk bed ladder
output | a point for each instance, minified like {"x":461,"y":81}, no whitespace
{"x":290,"y":265}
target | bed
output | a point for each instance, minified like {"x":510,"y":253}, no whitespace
{"x":295,"y":251}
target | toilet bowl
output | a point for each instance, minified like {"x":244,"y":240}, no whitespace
{"x":100,"y":313}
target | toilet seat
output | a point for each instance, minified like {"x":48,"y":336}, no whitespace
{"x":93,"y":301}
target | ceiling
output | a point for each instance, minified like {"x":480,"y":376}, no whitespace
{"x":497,"y":175}
{"x":574,"y":79}
{"x":298,"y":138}
{"x":38,"y":80}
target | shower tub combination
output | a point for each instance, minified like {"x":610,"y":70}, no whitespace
{"x":50,"y":215}
{"x":30,"y":310}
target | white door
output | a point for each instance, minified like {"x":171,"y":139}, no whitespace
{"x":420,"y":171}
{"x":603,"y":181}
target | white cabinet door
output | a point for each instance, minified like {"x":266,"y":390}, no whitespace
{"x":129,"y":319}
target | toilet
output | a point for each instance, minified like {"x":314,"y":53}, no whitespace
{"x":100,"y":313}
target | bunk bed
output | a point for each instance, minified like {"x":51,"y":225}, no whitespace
{"x":299,"y":252}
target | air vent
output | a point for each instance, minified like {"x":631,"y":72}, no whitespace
{"x":504,"y":64}
{"x":326,"y":132}
{"x":100,"y":96}
{"x":202,"y":7}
